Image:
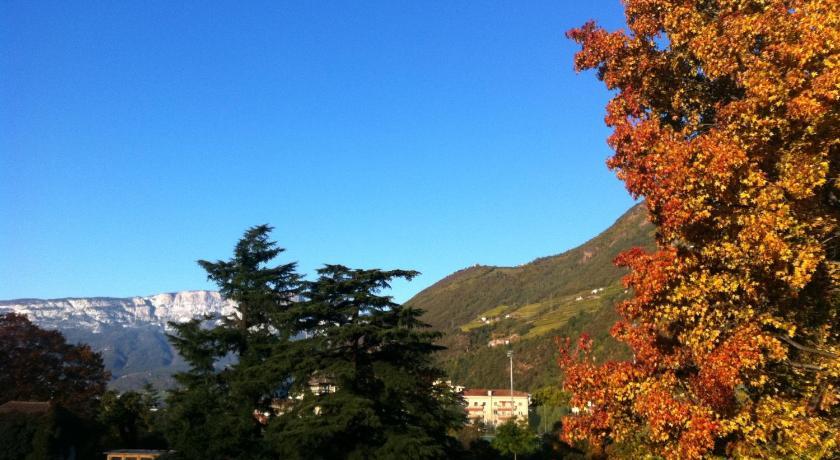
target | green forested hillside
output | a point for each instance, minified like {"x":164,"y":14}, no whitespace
{"x":529,"y":305}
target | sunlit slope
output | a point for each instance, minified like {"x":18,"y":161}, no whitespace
{"x":529,"y":290}
{"x":482,"y":307}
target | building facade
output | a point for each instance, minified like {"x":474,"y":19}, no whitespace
{"x":494,"y":407}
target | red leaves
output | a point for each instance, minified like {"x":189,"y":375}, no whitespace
{"x":37,"y":364}
{"x":728,"y":127}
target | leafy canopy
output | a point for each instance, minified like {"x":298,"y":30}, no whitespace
{"x":725,"y":120}
{"x":39,"y":365}
{"x":514,"y":437}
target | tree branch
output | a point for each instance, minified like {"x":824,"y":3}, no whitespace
{"x":801,"y":347}
{"x":810,"y":367}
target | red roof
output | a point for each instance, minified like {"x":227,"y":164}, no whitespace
{"x":498,"y":393}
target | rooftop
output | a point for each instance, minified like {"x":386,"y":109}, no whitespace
{"x":495,"y":392}
{"x":26,"y":407}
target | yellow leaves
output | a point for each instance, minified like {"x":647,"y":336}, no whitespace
{"x":732,"y":135}
{"x":778,"y":324}
{"x":801,"y":174}
{"x":782,"y":428}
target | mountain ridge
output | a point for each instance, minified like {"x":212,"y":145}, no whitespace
{"x":95,"y":313}
{"x":589,"y":265}
{"x":483,"y":310}
{"x":478,"y":308}
{"x":130,"y":332}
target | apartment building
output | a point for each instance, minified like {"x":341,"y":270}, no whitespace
{"x":493,"y":407}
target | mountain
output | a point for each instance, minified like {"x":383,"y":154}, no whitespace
{"x":129,"y":332}
{"x":478,"y":309}
{"x":481,"y":308}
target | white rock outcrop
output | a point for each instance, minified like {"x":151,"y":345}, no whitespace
{"x":94,"y":313}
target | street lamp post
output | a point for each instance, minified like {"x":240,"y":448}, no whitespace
{"x":512,"y":410}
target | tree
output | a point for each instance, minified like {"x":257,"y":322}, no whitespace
{"x":549,"y":404}
{"x":725,"y":119}
{"x":131,"y":420}
{"x":514,"y":438}
{"x":236,"y":361}
{"x":39,"y":365}
{"x":385,"y":398}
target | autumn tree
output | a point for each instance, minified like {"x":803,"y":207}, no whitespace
{"x":39,"y":365}
{"x":725,"y":120}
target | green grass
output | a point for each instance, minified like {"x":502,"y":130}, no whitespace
{"x":563,"y":310}
{"x":560,"y":316}
{"x":491,"y":313}
{"x":530,"y":310}
{"x":550,"y":314}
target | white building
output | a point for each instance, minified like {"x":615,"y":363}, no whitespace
{"x":493,"y":407}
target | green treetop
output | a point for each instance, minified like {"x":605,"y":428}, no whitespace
{"x":211,"y":415}
{"x":387,"y":401}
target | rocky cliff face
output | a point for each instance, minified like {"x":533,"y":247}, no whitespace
{"x":129,"y":332}
{"x":97,"y":313}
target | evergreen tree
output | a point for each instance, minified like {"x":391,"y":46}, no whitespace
{"x":211,"y":415}
{"x":385,"y":399}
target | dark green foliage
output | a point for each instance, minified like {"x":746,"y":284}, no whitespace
{"x":535,"y":362}
{"x":210,"y":415}
{"x":131,"y":420}
{"x":515,"y":438}
{"x":55,"y":434}
{"x":378,"y":355}
{"x":21,"y":433}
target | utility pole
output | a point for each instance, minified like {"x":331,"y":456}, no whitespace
{"x":512,"y":410}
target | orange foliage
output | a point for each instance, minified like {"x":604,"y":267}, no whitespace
{"x":726,"y":119}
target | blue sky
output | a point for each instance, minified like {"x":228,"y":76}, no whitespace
{"x":137,"y":137}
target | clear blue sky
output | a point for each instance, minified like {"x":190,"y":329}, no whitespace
{"x":137,"y":137}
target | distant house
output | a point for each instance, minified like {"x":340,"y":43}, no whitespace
{"x":503,"y":340}
{"x":134,"y":454}
{"x":493,"y":407}
{"x":319,"y":385}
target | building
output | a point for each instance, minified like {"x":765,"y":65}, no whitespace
{"x":134,"y":454}
{"x":26,"y":407}
{"x":318,"y":385}
{"x":493,"y":407}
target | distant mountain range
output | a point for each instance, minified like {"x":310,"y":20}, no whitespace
{"x":130,"y":332}
{"x":478,"y":309}
{"x":482,"y":308}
